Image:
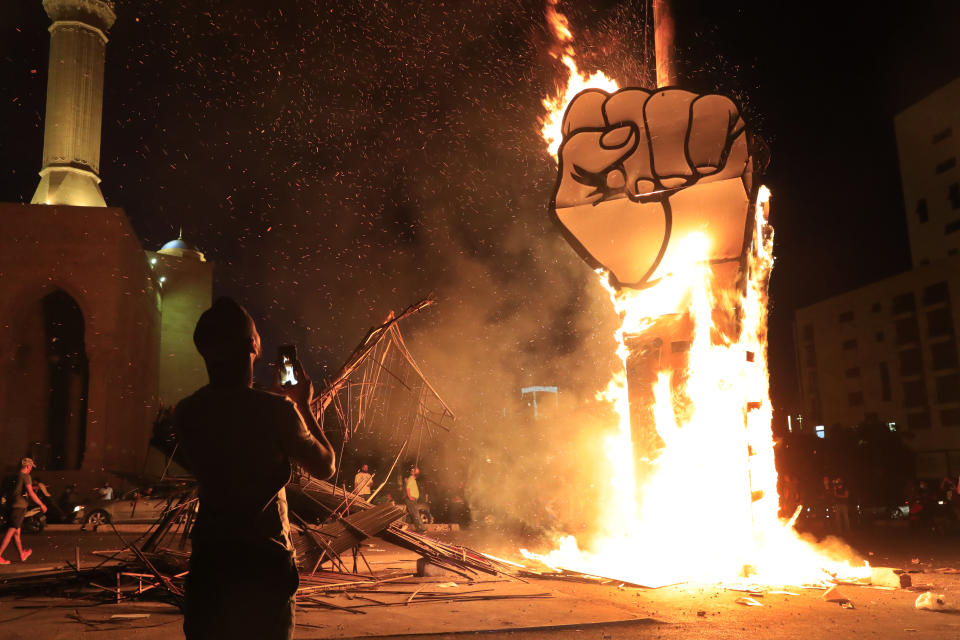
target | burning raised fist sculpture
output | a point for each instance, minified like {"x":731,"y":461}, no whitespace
{"x":640,"y":169}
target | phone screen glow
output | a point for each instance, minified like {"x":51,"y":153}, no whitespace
{"x":288,"y":376}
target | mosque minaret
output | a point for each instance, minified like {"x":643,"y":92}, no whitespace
{"x":70,"y":173}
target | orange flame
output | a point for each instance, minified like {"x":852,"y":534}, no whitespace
{"x":710,"y":507}
{"x":575,"y":82}
{"x":558,"y":23}
{"x":556,"y":105}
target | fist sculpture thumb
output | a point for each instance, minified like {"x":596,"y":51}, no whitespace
{"x":640,"y":170}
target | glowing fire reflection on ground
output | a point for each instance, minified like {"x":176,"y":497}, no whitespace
{"x":709,"y":507}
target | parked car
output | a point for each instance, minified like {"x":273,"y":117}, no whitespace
{"x":143,"y":506}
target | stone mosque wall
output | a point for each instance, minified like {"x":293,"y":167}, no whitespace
{"x":93,"y":255}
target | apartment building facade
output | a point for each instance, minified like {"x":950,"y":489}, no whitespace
{"x":887,"y":352}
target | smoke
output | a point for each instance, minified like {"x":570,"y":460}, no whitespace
{"x":534,"y":317}
{"x":442,"y":188}
{"x":339,"y":162}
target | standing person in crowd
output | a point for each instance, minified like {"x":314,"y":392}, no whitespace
{"x":43,"y":492}
{"x":239,"y":442}
{"x":18,"y":509}
{"x":789,"y":495}
{"x":828,"y":505}
{"x":411,"y":496}
{"x":948,"y":488}
{"x":918,"y":503}
{"x":362,"y":482}
{"x":69,"y":499}
{"x":841,"y":496}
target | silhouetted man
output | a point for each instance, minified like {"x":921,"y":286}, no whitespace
{"x":239,"y":443}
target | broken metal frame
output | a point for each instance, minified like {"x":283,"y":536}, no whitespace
{"x":337,"y":525}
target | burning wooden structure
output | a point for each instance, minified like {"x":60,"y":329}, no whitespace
{"x":657,"y":190}
{"x":640,"y":172}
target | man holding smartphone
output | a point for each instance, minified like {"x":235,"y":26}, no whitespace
{"x":239,"y":442}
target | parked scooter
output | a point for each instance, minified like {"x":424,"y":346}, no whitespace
{"x":34,"y":520}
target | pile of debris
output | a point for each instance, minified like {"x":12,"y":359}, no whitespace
{"x":150,"y":564}
{"x":354,"y":594}
{"x":388,"y":398}
{"x":348,"y":520}
{"x":329,"y":523}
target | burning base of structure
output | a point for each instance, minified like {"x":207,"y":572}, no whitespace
{"x":708,"y":508}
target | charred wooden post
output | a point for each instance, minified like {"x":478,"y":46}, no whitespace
{"x":664,"y":44}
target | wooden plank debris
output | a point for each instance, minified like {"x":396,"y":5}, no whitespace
{"x":330,"y":499}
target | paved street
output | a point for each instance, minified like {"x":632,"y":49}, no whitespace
{"x":59,"y":543}
{"x":566,"y":610}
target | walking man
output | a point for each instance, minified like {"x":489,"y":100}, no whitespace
{"x":23,"y":490}
{"x":411,"y":495}
{"x":239,"y":443}
{"x":68,"y":500}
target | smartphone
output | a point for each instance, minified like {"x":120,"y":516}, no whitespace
{"x":288,"y":355}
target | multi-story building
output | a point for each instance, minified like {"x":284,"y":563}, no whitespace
{"x":887,"y":352}
{"x":928,"y":144}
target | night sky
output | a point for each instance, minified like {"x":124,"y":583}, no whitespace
{"x":337,"y":160}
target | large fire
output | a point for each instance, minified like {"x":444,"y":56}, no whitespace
{"x":708,"y":509}
{"x":576,"y":82}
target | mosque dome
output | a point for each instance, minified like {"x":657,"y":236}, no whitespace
{"x":177,"y":244}
{"x":181,"y":249}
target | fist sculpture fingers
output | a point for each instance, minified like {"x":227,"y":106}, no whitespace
{"x":640,"y":170}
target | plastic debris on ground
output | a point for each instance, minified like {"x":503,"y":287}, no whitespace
{"x":834,"y":594}
{"x":930,"y":601}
